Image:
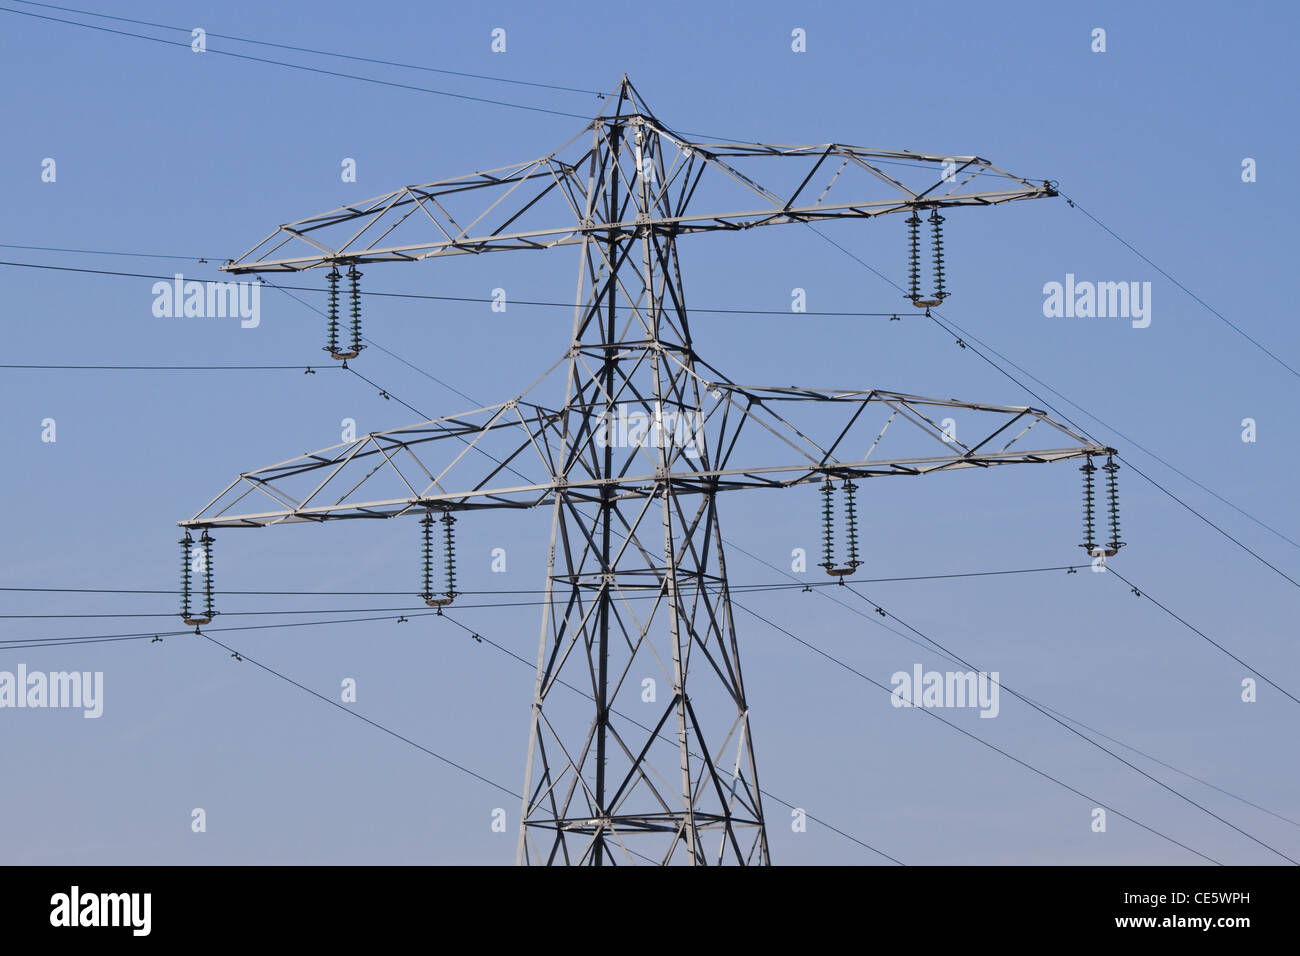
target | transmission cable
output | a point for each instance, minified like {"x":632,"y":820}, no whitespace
{"x":532,"y":665}
{"x":975,"y":737}
{"x":301,"y":66}
{"x":1132,"y":766}
{"x":302,"y":49}
{"x":880,"y":620}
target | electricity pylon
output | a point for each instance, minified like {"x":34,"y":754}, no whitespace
{"x":632,"y":457}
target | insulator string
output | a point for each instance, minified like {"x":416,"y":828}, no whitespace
{"x":914,"y":256}
{"x":449,"y":554}
{"x":1112,"y":493}
{"x":850,"y":528}
{"x":851,"y":513}
{"x":332,"y":310}
{"x":354,"y":281}
{"x":828,"y":544}
{"x":186,"y":545}
{"x":1089,"y":507}
{"x":206,"y":542}
{"x":448,"y":558}
{"x":427,"y":534}
{"x":936,"y":222}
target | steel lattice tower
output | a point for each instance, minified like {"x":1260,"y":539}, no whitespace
{"x":645,"y":439}
{"x":589,"y":780}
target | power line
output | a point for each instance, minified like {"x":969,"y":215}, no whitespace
{"x":481,"y":76}
{"x":932,"y":713}
{"x":371,"y":342}
{"x":459,"y":624}
{"x":1139,"y":770}
{"x":683,"y":585}
{"x":962,"y":341}
{"x":1116,"y":431}
{"x":1213,"y":311}
{"x":362,"y":717}
{"x":876,"y":272}
{"x":465,"y":441}
{"x":647,"y":595}
{"x":29,"y":643}
{"x":479,"y":637}
{"x":525,"y":662}
{"x":162,"y":368}
{"x":388,"y":730}
{"x":1249,"y":551}
{"x":1053,"y":715}
{"x":1195,"y":630}
{"x":138,"y":636}
{"x":378,"y":726}
{"x":430,"y":297}
{"x":640,"y":594}
{"x":389,"y":395}
{"x":1140,"y":473}
{"x":930,"y":314}
{"x":301,"y":66}
{"x":417,"y":411}
{"x":1073,"y":203}
{"x":879,"y":621}
{"x":302,"y":49}
{"x":58,"y":642}
{"x":385,"y":614}
{"x":532,"y":665}
{"x":1169,"y":766}
{"x":143,"y":635}
{"x":1111,"y":428}
{"x":93,"y":639}
{"x":101,"y":252}
{"x":284,"y":64}
{"x":353,"y":76}
{"x":1132,"y":766}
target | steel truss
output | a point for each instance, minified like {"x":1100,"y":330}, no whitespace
{"x":633,"y":457}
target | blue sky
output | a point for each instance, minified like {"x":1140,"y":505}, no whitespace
{"x":162,"y":151}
